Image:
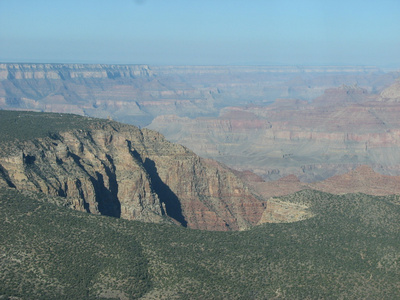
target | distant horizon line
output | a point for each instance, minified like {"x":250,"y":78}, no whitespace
{"x":205,"y":65}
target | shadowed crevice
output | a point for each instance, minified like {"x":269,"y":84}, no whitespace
{"x":106,"y":198}
{"x":6,"y":177}
{"x":165,"y":194}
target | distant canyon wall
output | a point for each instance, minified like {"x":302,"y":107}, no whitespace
{"x":129,"y":93}
{"x":314,"y":122}
{"x":338,"y":131}
{"x":136,"y":94}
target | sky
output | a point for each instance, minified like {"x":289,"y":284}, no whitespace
{"x":201,"y":32}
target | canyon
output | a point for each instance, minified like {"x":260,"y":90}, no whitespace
{"x":313,"y":122}
{"x":344,"y":128}
{"x":136,"y":94}
{"x":362,"y":179}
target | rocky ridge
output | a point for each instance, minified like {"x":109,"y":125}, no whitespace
{"x":121,"y":171}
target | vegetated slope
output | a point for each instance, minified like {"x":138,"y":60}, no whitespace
{"x":52,"y":253}
{"x":109,"y":168}
{"x":348,"y":250}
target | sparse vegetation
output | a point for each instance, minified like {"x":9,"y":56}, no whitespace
{"x":25,"y":125}
{"x":349,"y":250}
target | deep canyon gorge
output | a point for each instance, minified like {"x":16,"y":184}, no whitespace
{"x":313,"y":122}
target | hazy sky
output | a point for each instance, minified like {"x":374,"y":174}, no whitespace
{"x":206,"y":32}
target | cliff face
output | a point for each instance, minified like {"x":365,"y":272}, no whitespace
{"x":72,"y":71}
{"x":122,"y":171}
{"x":340,"y":129}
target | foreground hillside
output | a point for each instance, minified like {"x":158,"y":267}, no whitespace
{"x":108,"y":168}
{"x":348,"y":250}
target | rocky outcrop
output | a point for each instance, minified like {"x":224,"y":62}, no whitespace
{"x":392,"y":93}
{"x":279,"y":211}
{"x":122,"y":171}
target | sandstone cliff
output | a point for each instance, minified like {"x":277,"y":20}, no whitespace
{"x":119,"y":170}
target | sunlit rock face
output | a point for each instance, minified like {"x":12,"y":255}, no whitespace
{"x":122,"y":171}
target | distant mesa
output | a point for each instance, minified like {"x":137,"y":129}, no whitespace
{"x":342,"y":95}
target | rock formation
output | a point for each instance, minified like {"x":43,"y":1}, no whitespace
{"x":121,"y":171}
{"x":392,"y":93}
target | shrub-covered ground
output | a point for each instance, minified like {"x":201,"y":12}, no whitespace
{"x":349,"y":250}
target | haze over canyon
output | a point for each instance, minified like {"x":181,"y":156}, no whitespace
{"x":313,"y":122}
{"x":304,"y":192}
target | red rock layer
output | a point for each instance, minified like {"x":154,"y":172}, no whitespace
{"x":121,"y":171}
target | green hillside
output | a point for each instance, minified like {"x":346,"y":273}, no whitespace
{"x":349,"y":250}
{"x":25,"y":125}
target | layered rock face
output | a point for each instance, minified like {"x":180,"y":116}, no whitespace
{"x":122,"y":171}
{"x":129,"y":93}
{"x":363,"y":179}
{"x":225,"y":112}
{"x":135,"y":94}
{"x":338,"y":131}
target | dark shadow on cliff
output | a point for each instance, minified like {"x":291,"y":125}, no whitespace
{"x":6,"y":177}
{"x":166,"y":196}
{"x":106,"y":198}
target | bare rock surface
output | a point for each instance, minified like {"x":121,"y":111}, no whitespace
{"x":248,"y":117}
{"x":121,"y":171}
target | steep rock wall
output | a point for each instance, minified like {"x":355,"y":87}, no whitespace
{"x":122,"y":171}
